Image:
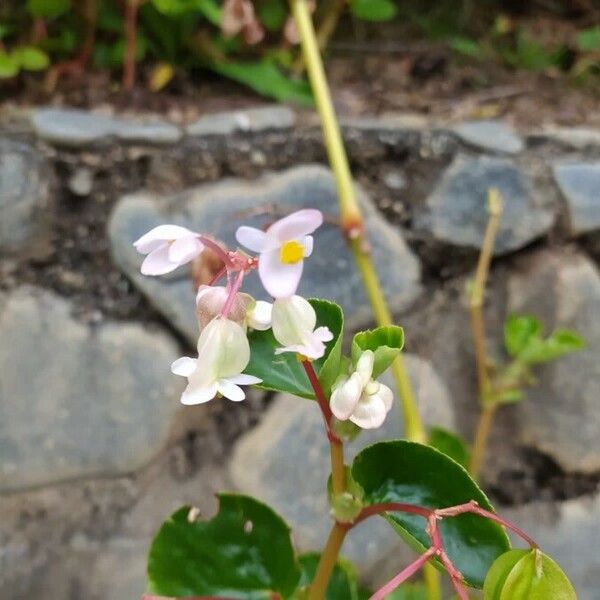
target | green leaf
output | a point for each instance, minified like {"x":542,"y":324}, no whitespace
{"x":272,"y":14}
{"x":559,"y":343}
{"x":409,"y":591}
{"x":245,"y":551}
{"x":266,"y":79}
{"x":343,"y":584}
{"x":508,"y":397}
{"x":9,"y":65}
{"x":283,"y":372}
{"x":407,"y":472}
{"x":32,"y":59}
{"x":451,"y":445}
{"x":385,"y":342}
{"x":465,"y":46}
{"x":519,"y":330}
{"x":177,"y":8}
{"x":48,"y":9}
{"x":373,"y":10}
{"x":589,"y":39}
{"x":527,"y":575}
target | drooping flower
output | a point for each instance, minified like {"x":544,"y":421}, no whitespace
{"x":293,"y":321}
{"x":223,"y":353}
{"x":361,"y":399}
{"x":239,"y":16}
{"x":167,"y":247}
{"x":245,"y":310}
{"x":283,"y":248}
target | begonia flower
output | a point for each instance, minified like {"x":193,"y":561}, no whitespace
{"x":167,"y":247}
{"x":223,"y":353}
{"x":359,"y":398}
{"x":282,"y":248}
{"x":245,"y":310}
{"x":293,"y":321}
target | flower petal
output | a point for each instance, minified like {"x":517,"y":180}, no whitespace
{"x":252,"y":238}
{"x":230,"y":390}
{"x":345,"y":397}
{"x":279,"y":279}
{"x":260,"y":315}
{"x":308,"y":242}
{"x":294,"y":320}
{"x":184,"y":366}
{"x":157,"y":262}
{"x":198,"y":395}
{"x":185,"y":249}
{"x":386,"y":395}
{"x":323,"y":334}
{"x":369,"y":413}
{"x":163,"y":233}
{"x":364,"y":366}
{"x":296,"y":225}
{"x":244,"y":379}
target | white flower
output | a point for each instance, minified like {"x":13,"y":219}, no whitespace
{"x":167,"y":247}
{"x":223,"y":353}
{"x":359,"y":398}
{"x":283,"y":248}
{"x":245,"y":311}
{"x":294,"y":321}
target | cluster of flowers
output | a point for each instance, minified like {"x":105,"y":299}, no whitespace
{"x":225,"y":313}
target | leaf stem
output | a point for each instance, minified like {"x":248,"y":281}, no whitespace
{"x":351,"y":218}
{"x":476,"y":300}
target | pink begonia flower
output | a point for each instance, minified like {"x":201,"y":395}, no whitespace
{"x":293,"y":321}
{"x":245,"y":310}
{"x":167,"y":247}
{"x":282,"y":248}
{"x":359,"y":398}
{"x":223,"y":353}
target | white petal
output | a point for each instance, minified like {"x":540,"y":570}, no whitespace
{"x":260,"y":316}
{"x":369,"y":413}
{"x":157,"y":262}
{"x":244,"y":379}
{"x":294,"y":320}
{"x":364,"y":366}
{"x":323,"y":334}
{"x":345,"y":397}
{"x":297,"y":225}
{"x":185,"y":249}
{"x":254,"y":239}
{"x":279,"y":279}
{"x":308,"y":243}
{"x":231,"y":390}
{"x":386,"y":395}
{"x":163,"y":233}
{"x":297,"y":348}
{"x":198,"y":395}
{"x":184,"y":366}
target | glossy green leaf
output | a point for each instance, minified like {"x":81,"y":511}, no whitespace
{"x":48,"y":9}
{"x":589,"y":39}
{"x":407,"y":472}
{"x":343,"y":584}
{"x":451,"y":445}
{"x":9,"y":65}
{"x":527,"y":575}
{"x":245,"y":551}
{"x":409,"y":591}
{"x":272,"y":14}
{"x":267,"y":79}
{"x":385,"y":342}
{"x":373,"y":10}
{"x":559,"y":343}
{"x":283,"y":372}
{"x":519,"y":330}
{"x":32,"y":59}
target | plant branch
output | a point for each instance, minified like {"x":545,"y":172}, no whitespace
{"x":351,"y":219}
{"x":476,"y":300}
{"x":329,"y":556}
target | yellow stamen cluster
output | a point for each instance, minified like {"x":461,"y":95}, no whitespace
{"x":291,"y":252}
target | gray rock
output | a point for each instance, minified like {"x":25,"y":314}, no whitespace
{"x":569,"y":533}
{"x":81,"y":182}
{"x":456,"y":212}
{"x":580,"y":185}
{"x":285,"y":462}
{"x":219,"y":208}
{"x":490,"y":135}
{"x":24,"y":194}
{"x":77,"y":400}
{"x":578,"y":138}
{"x":253,"y":119}
{"x":560,"y":415}
{"x":78,"y":128}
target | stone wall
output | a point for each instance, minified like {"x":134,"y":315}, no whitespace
{"x":94,"y":448}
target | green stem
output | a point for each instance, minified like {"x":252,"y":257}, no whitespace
{"x":350,"y":214}
{"x":327,"y":562}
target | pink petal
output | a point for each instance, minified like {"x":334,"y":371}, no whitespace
{"x":308,"y":243}
{"x":279,"y":279}
{"x":183,"y":250}
{"x":157,"y":262}
{"x":163,"y":233}
{"x":252,"y":238}
{"x":184,"y":366}
{"x":231,"y":391}
{"x":296,"y":225}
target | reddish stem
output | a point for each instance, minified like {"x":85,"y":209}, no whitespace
{"x":131,"y":10}
{"x":217,"y":276}
{"x":377,"y":509}
{"x":233,"y":290}
{"x":224,"y":256}
{"x":321,"y":400}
